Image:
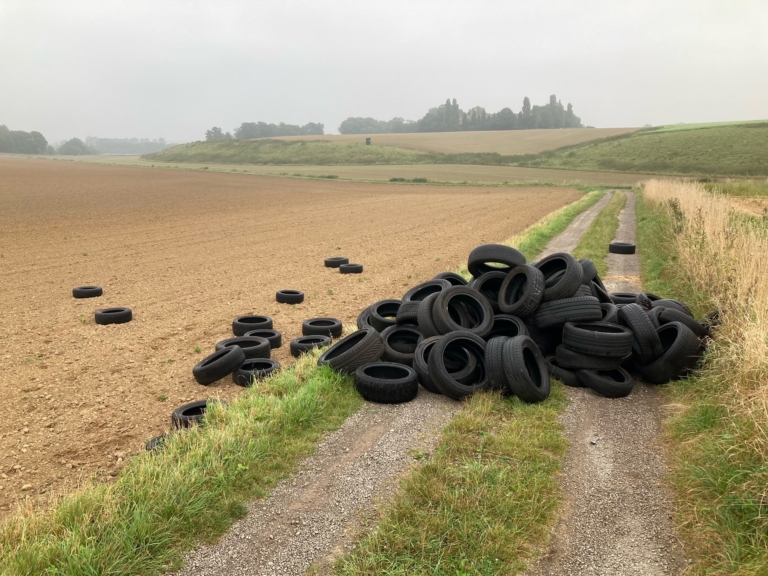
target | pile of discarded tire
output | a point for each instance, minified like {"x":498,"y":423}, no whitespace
{"x":512,"y":327}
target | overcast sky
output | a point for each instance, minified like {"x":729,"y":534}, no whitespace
{"x":173,"y":69}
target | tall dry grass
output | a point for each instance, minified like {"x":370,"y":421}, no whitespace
{"x":725,"y":257}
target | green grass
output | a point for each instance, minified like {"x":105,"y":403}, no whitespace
{"x":703,"y":125}
{"x":719,"y":476}
{"x":602,"y":231}
{"x":741,"y":188}
{"x":735,"y":150}
{"x":483,"y":503}
{"x":162,"y":504}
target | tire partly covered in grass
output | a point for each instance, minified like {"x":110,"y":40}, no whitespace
{"x":304,"y":344}
{"x":526,"y":370}
{"x":387,"y":382}
{"x":253,"y":370}
{"x":322,"y":327}
{"x":218,"y":365}
{"x":493,"y":257}
{"x":348,"y":354}
{"x":452,"y":344}
{"x":188,"y":415}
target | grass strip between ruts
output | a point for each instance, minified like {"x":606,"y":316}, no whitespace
{"x":163,"y":503}
{"x":602,"y":231}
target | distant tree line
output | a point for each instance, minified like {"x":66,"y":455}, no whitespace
{"x":250,"y":130}
{"x":449,"y":117}
{"x":126,"y":145}
{"x":22,"y":142}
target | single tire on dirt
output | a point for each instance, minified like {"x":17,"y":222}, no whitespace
{"x":507,"y":325}
{"x":187,"y":415}
{"x":243,"y":324}
{"x":289,"y":296}
{"x":408,"y":313}
{"x":489,"y":285}
{"x":452,"y":344}
{"x":504,"y":258}
{"x":336,"y":261}
{"x":521,"y":291}
{"x":566,"y":283}
{"x":322,"y":326}
{"x":400,"y":343}
{"x":156,"y":444}
{"x":598,"y":339}
{"x":252,"y":346}
{"x":253,"y":370}
{"x":387,"y":382}
{"x":306,"y":343}
{"x":609,"y":383}
{"x":274,"y":337}
{"x":453,"y":278}
{"x":646,"y":346}
{"x":351,"y":268}
{"x":526,"y":371}
{"x":576,"y":309}
{"x":477,"y":305}
{"x":421,"y":291}
{"x":113,"y":316}
{"x":348,"y":354}
{"x":383,"y":314}
{"x":571,"y":360}
{"x":218,"y":365}
{"x":621,"y":248}
{"x":565,"y":376}
{"x":87,"y":291}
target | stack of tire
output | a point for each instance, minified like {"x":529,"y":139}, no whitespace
{"x":512,"y":326}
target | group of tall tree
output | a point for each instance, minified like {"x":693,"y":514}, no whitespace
{"x":22,"y":142}
{"x":249,"y":130}
{"x":449,"y":117}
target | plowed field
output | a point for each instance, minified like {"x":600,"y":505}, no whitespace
{"x":188,"y":251}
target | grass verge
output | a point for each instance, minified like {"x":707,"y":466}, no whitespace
{"x":602,"y":231}
{"x":483,"y":501}
{"x":717,"y":437}
{"x":163,"y":503}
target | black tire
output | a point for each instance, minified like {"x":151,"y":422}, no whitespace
{"x":387,"y":382}
{"x":322,"y":326}
{"x":653,"y":316}
{"x":306,"y":343}
{"x":400,"y":343}
{"x":188,"y":415}
{"x":494,"y":363}
{"x":522,"y":291}
{"x":610,"y":313}
{"x":643,"y":301}
{"x":669,"y":303}
{"x":218,"y":365}
{"x":446,"y":381}
{"x":461,"y":365}
{"x":113,"y":316}
{"x":351,"y":268}
{"x":424,"y":316}
{"x":621,"y":248}
{"x":570,"y":360}
{"x":583,"y":290}
{"x":547,"y":339}
{"x":615,"y":383}
{"x":364,"y":319}
{"x":489,"y":285}
{"x":526,"y":370}
{"x":243,"y":324}
{"x":156,"y":444}
{"x":252,"y":346}
{"x":477,"y":305}
{"x":408,"y":313}
{"x":646,"y":346}
{"x":624,"y":297}
{"x":668,"y":315}
{"x":453,"y":278}
{"x":348,"y":354}
{"x":507,"y":325}
{"x":598,"y":339}
{"x":274,"y":337}
{"x":480,"y":258}
{"x":383,"y":314}
{"x":681,"y":352}
{"x":421,"y":291}
{"x":565,"y":376}
{"x":599,"y":292}
{"x":570,"y":280}
{"x":253,"y":370}
{"x":336,"y":261}
{"x":289,"y":296}
{"x":588,"y":271}
{"x":87,"y":291}
{"x":576,"y":309}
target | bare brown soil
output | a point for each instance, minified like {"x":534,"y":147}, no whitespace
{"x":188,"y":251}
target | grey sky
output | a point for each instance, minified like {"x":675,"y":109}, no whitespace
{"x":172,"y":69}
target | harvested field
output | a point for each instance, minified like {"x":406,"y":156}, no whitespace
{"x":188,"y":251}
{"x":501,"y":141}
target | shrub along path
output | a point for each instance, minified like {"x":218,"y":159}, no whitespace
{"x":616,"y":512}
{"x":316,"y":516}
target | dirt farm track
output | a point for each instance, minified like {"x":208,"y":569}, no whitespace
{"x":188,"y":251}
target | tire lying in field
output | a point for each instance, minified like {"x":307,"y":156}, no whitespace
{"x":680,"y":352}
{"x":621,"y":248}
{"x":87,"y":291}
{"x":526,"y":370}
{"x":156,"y":444}
{"x":570,"y":360}
{"x":588,"y":271}
{"x":336,"y":261}
{"x":187,"y":415}
{"x":567,"y":272}
{"x":624,"y":297}
{"x":576,"y":309}
{"x":383,"y":314}
{"x":400,"y":343}
{"x":387,"y":382}
{"x":453,"y":278}
{"x":452,"y":344}
{"x":348,"y":354}
{"x":253,"y":370}
{"x":322,"y":327}
{"x":610,"y":313}
{"x":505,"y":258}
{"x":274,"y":337}
{"x":646,"y":346}
{"x":113,"y":316}
{"x":521,"y":291}
{"x":218,"y":365}
{"x":489,"y":285}
{"x":507,"y":325}
{"x":421,"y":291}
{"x":461,"y":365}
{"x":477,"y":306}
{"x":252,"y":346}
{"x":243,"y":324}
{"x":609,"y":383}
{"x":598,"y":339}
{"x":565,"y":376}
{"x":668,"y":315}
{"x":351,"y":268}
{"x":306,"y":343}
{"x":408,"y":313}
{"x":289,"y":296}
{"x":494,"y":363}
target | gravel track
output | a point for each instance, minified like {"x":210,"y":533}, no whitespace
{"x":569,"y":238}
{"x":616,"y":512}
